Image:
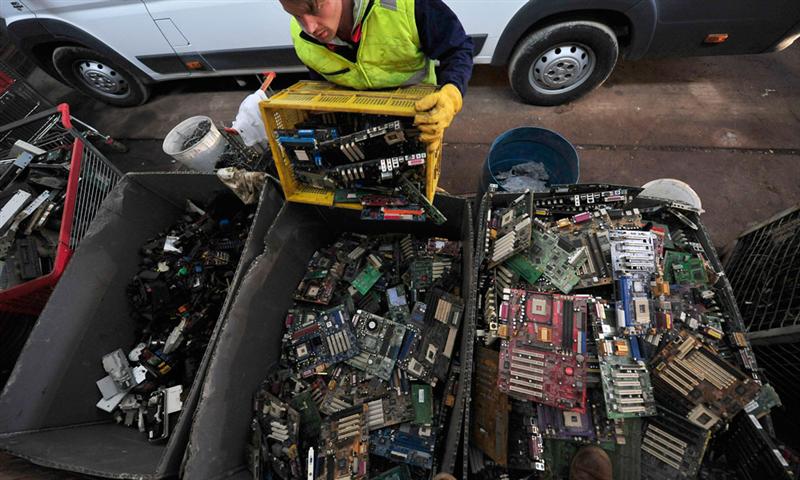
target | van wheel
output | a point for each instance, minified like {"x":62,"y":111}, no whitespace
{"x":99,"y":77}
{"x":563,"y":62}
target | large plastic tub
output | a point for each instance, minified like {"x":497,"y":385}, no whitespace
{"x":47,"y":410}
{"x":725,"y":298}
{"x":249,"y":345}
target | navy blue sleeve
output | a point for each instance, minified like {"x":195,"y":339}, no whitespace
{"x":443,"y":38}
{"x":314,"y":75}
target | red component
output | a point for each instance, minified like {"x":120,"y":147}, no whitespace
{"x":306,"y":331}
{"x":569,"y":371}
{"x":5,"y":82}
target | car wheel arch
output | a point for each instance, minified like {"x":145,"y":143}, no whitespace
{"x":532,"y":17}
{"x":63,"y":34}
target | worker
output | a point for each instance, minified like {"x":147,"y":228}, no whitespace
{"x":378,"y":44}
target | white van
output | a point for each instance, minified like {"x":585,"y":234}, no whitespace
{"x":114,"y":50}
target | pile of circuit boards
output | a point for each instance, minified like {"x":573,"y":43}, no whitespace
{"x":369,"y":368}
{"x":175,"y":299}
{"x":32,"y":192}
{"x":603,"y":320}
{"x":376,"y":161}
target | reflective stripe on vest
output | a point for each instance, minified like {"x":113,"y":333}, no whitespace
{"x":389,"y":54}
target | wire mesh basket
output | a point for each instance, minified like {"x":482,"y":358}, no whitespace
{"x":764,"y":269}
{"x":91,"y":179}
{"x":18,"y":99}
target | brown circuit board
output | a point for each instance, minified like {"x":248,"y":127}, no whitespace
{"x":345,"y":453}
{"x":490,"y":424}
{"x":691,"y":376}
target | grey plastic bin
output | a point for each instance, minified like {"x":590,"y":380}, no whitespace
{"x":249,"y":345}
{"x":47,"y":410}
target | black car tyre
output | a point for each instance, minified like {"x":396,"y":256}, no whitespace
{"x":563,"y":62}
{"x":98,"y":76}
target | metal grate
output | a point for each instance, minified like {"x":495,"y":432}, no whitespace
{"x":781,"y":364}
{"x":764,"y":270}
{"x":18,"y":99}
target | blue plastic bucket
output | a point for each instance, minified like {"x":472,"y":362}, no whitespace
{"x":532,"y":144}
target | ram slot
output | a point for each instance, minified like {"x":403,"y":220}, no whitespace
{"x":665,"y":446}
{"x":526,"y":368}
{"x":517,"y":375}
{"x":652,"y":451}
{"x":523,"y":391}
{"x":676,"y":385}
{"x":631,"y":409}
{"x":630,"y":401}
{"x":632,"y":391}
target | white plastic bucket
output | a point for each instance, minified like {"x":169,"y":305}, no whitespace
{"x":203,"y":155}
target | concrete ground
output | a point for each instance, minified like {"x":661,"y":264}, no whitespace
{"x":729,"y":126}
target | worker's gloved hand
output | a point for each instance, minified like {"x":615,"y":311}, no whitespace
{"x":435,"y":113}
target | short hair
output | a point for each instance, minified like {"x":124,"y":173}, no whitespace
{"x":311,"y":4}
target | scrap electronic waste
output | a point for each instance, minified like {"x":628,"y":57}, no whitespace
{"x":184,"y":276}
{"x":602,"y":320}
{"x":376,"y":161}
{"x":369,"y":370}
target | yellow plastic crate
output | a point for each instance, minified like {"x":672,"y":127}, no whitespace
{"x":291,"y":106}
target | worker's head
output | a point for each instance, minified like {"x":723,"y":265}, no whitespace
{"x":319,"y":18}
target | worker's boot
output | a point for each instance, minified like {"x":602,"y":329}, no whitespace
{"x":590,"y":463}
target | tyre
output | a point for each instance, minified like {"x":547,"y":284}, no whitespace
{"x":563,"y":62}
{"x":98,"y":76}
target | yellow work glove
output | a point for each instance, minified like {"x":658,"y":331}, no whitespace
{"x":436,"y":112}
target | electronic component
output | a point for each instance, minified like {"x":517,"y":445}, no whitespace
{"x":752,"y":452}
{"x":579,"y":198}
{"x":320,"y":279}
{"x":372,"y":173}
{"x":371,"y":363}
{"x":632,"y":251}
{"x":344,"y":450}
{"x":276,"y":431}
{"x":543,"y":352}
{"x":422,"y":399}
{"x":548,"y":255}
{"x":427,"y":352}
{"x":565,"y":424}
{"x":398,"y":303}
{"x":693,"y":380}
{"x":416,"y":196}
{"x":672,"y":447}
{"x":367,"y":278}
{"x":405,"y":213}
{"x":379,"y":340}
{"x":175,"y":299}
{"x":491,"y":408}
{"x":413,"y":446}
{"x":509,"y":230}
{"x":684,"y":269}
{"x":626,"y":382}
{"x":766,"y":400}
{"x":523,"y":267}
{"x":634,"y":307}
{"x":391,"y":410}
{"x":12,"y":207}
{"x":397,"y":473}
{"x":525,"y":443}
{"x":315,"y":340}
